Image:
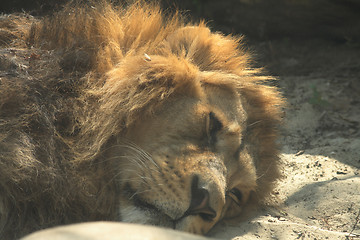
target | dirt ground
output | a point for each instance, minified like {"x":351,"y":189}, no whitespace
{"x":319,"y":196}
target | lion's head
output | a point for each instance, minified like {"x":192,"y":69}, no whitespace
{"x":190,"y":164}
{"x":168,"y":120}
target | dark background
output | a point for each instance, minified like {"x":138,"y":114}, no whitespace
{"x":337,"y":20}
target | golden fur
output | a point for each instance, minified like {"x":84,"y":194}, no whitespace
{"x":120,"y":113}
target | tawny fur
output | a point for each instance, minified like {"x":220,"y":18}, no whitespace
{"x":71,"y":82}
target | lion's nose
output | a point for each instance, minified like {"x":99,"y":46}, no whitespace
{"x":199,"y":204}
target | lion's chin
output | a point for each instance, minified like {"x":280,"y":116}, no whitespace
{"x":150,"y":216}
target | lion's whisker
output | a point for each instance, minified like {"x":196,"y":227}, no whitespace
{"x":139,"y":192}
{"x":145,"y":157}
{"x":142,"y":153}
{"x":254,"y":123}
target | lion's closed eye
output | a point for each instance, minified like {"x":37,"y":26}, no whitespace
{"x":213,"y":126}
{"x":236,"y":196}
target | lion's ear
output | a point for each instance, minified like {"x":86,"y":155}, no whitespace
{"x":264,"y":104}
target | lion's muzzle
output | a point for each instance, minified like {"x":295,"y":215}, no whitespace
{"x":200,"y":201}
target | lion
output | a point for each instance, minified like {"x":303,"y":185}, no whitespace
{"x":124,"y":113}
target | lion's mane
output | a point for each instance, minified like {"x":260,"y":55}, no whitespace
{"x":71,"y":82}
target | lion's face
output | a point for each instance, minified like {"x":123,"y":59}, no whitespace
{"x":188,"y":166}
